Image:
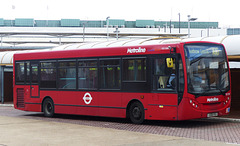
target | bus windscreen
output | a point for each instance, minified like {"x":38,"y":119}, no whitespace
{"x":207,"y":69}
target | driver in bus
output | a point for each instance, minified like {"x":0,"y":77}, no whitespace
{"x":171,"y":80}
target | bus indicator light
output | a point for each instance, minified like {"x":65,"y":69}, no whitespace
{"x":227,"y":110}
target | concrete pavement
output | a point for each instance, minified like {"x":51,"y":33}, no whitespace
{"x":20,"y":131}
{"x":8,"y":105}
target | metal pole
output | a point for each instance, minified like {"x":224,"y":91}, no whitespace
{"x":107,"y":26}
{"x":1,"y":99}
{"x":208,"y":33}
{"x":117,"y":32}
{"x":165,"y":28}
{"x":83,"y":32}
{"x":179,"y":22}
{"x":2,"y":83}
{"x":60,"y":40}
{"x":1,"y":40}
{"x":170,"y":26}
{"x":47,"y":17}
{"x":188,"y":26}
{"x":190,"y":19}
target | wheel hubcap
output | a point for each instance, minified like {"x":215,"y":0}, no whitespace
{"x":136,"y":113}
{"x":49,"y":107}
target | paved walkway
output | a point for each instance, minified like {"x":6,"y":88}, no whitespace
{"x":6,"y":104}
{"x":20,"y":131}
{"x":24,"y":131}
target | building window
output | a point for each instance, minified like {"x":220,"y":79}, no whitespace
{"x":110,"y":77}
{"x":87,"y":74}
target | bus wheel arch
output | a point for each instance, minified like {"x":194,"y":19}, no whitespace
{"x":135,"y":111}
{"x":48,"y":106}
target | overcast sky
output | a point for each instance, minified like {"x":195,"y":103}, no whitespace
{"x":224,"y":12}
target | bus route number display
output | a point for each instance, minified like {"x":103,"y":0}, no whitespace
{"x":213,"y":51}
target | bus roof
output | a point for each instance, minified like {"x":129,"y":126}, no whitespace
{"x":7,"y":57}
{"x":97,"y":50}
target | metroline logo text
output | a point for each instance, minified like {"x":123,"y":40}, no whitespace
{"x":212,"y":99}
{"x":136,"y":50}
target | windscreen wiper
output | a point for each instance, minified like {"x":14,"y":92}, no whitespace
{"x":195,"y":60}
{"x":220,"y":90}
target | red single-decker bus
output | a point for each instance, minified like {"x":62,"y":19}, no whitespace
{"x":178,"y":81}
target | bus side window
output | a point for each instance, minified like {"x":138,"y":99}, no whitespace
{"x":164,"y":74}
{"x":67,"y":74}
{"x":87,"y":74}
{"x":110,"y":74}
{"x":20,"y":72}
{"x":48,"y":74}
{"x":181,"y":76}
{"x":27,"y":65}
{"x":134,"y":69}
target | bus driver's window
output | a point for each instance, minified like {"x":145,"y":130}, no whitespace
{"x":164,"y":74}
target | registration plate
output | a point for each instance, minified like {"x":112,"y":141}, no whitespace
{"x":212,"y":115}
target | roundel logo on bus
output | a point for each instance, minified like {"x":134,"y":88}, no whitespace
{"x":136,"y":50}
{"x":87,"y":98}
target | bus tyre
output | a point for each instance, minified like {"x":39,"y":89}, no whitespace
{"x":136,"y":113}
{"x":48,"y":108}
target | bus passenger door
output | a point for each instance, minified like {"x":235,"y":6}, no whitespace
{"x":164,"y":101}
{"x":34,"y":80}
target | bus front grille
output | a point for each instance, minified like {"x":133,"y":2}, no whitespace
{"x":20,"y":98}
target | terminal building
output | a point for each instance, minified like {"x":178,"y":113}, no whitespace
{"x":121,"y":23}
{"x":30,"y":34}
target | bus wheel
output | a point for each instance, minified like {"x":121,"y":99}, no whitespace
{"x":136,"y":113}
{"x":48,"y":108}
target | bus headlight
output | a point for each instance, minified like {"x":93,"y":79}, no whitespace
{"x":194,"y":103}
{"x":227,"y":100}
